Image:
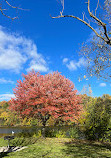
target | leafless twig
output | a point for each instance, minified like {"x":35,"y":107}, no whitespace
{"x":105,"y":38}
{"x":11,"y":6}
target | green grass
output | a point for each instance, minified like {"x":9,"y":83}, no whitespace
{"x":62,"y":148}
{"x":3,"y":142}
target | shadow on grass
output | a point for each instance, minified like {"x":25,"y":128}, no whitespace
{"x":87,"y":149}
{"x":3,"y":154}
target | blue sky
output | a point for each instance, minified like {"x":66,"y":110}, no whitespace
{"x":37,"y":41}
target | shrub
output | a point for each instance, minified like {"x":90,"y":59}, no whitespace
{"x":96,"y":118}
{"x":24,"y":134}
{"x":60,"y":134}
{"x":23,"y":141}
{"x":73,"y":132}
{"x":37,"y":134}
{"x":55,"y":132}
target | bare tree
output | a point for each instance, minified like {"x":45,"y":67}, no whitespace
{"x":98,"y":50}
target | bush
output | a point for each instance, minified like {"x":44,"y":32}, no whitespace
{"x":49,"y":132}
{"x":107,"y":136}
{"x":25,"y":134}
{"x":60,"y":134}
{"x":73,"y":132}
{"x":23,"y":141}
{"x":55,"y":132}
{"x":96,"y":118}
{"x":30,"y":133}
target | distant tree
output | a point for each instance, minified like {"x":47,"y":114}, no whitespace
{"x":7,"y":118}
{"x":4,"y":104}
{"x":98,"y":49}
{"x":86,"y":90}
{"x":43,"y":96}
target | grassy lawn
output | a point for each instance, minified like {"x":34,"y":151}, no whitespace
{"x":62,"y":148}
{"x":3,"y":142}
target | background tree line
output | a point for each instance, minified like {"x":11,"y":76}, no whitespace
{"x":94,"y":122}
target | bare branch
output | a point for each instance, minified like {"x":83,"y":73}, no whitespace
{"x":71,"y":16}
{"x":62,"y":1}
{"x":107,"y":39}
{"x":98,"y":50}
{"x":83,"y":15}
{"x":14,"y":6}
{"x":11,"y":6}
{"x":87,"y":19}
{"x":7,"y":15}
{"x":96,"y":7}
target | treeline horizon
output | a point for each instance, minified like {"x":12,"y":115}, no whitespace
{"x":9,"y":118}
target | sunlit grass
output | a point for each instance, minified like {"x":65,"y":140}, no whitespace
{"x":63,"y":148}
{"x":3,"y":142}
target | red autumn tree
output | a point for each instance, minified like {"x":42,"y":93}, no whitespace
{"x":42,"y":96}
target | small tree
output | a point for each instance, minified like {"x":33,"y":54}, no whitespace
{"x":43,"y":96}
{"x":95,"y":118}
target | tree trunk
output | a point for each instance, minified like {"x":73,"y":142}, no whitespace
{"x":43,"y":129}
{"x":44,"y":120}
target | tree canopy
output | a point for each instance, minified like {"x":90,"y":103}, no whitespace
{"x":43,"y":96}
{"x":96,"y":117}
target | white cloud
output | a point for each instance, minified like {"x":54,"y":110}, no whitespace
{"x":102,"y":84}
{"x":38,"y":67}
{"x":2,"y":80}
{"x":65,"y":60}
{"x":6,"y":96}
{"x":39,"y":64}
{"x":73,"y":65}
{"x":16,"y":50}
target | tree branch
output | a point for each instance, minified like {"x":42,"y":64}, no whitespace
{"x":96,"y":7}
{"x":7,"y":15}
{"x":107,"y":39}
{"x":72,"y":16}
{"x":10,"y":5}
{"x":14,"y":6}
